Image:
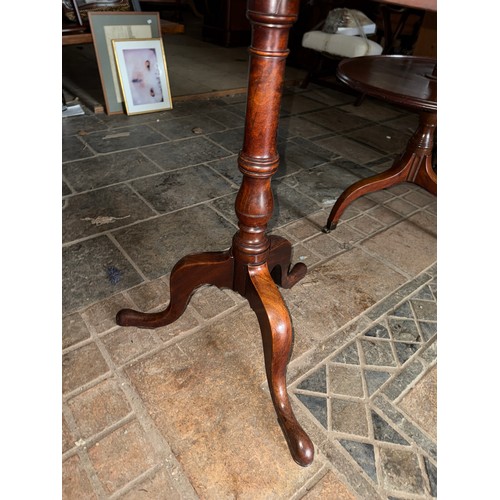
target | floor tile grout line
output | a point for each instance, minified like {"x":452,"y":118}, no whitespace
{"x":329,"y":408}
{"x":223,"y":215}
{"x":217,"y":172}
{"x":336,"y":435}
{"x":94,"y":439}
{"x":398,"y":370}
{"x":412,"y":444}
{"x":386,"y":262}
{"x":231,"y":153}
{"x":111,"y":230}
{"x":144,"y":200}
{"x":161,"y":307}
{"x":324,"y":359}
{"x":433,"y":362}
{"x":346,"y":135}
{"x":152,"y":160}
{"x":343,"y":131}
{"x":135,"y":223}
{"x":82,"y":451}
{"x":225,"y":127}
{"x":126,"y":181}
{"x":144,"y":146}
{"x":78,"y":345}
{"x":393,"y":342}
{"x":417,"y":321}
{"x":147,"y":474}
{"x":378,"y":466}
{"x":425,"y":475}
{"x":311,"y":483}
{"x":350,"y":460}
{"x":150,"y":126}
{"x":73,"y":427}
{"x":85,"y":144}
{"x":70,"y":186}
{"x":97,"y":154}
{"x":324,"y":259}
{"x":424,"y":276}
{"x":162,"y":447}
{"x":91,"y":473}
{"x":87,"y":385}
{"x":415,"y":381}
{"x":368,"y":145}
{"x":394,"y":402}
{"x":139,"y":411}
{"x":313,"y":146}
{"x":302,"y":194}
{"x":131,"y":261}
{"x":204,"y":322}
{"x":298,"y":378}
{"x":314,"y":253}
{"x":416,"y":440}
{"x":173,"y":342}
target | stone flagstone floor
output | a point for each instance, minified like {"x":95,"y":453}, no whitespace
{"x":183,"y":411}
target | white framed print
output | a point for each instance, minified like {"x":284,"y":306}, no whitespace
{"x":142,"y":70}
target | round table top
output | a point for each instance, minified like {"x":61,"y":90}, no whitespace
{"x":403,"y":80}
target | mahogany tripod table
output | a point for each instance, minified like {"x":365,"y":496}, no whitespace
{"x":407,"y":81}
{"x":255,"y":263}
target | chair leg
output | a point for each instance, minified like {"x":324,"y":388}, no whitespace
{"x":315,"y":70}
{"x":305,"y":82}
{"x":193,"y":8}
{"x":360,"y":100}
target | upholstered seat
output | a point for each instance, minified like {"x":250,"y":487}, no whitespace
{"x":340,"y":45}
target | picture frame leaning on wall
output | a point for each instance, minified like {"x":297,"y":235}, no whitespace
{"x":107,"y":27}
{"x":143,"y":74}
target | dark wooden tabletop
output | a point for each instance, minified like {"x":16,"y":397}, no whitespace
{"x":415,"y":4}
{"x":403,"y":80}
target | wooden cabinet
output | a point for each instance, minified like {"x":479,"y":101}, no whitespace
{"x":226,"y":23}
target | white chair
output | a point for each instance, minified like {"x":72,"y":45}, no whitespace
{"x":347,"y":40}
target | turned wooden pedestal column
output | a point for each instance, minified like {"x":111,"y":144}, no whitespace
{"x":255,"y":262}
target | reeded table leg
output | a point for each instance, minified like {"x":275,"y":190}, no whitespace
{"x":255,"y":263}
{"x":415,"y":165}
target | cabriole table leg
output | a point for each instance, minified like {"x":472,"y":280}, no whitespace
{"x":414,"y":165}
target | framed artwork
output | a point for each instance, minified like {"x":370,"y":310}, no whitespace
{"x":86,"y":6}
{"x":107,"y":27}
{"x":142,"y":70}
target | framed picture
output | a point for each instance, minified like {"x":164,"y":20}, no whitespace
{"x":86,"y":6}
{"x":106,"y":27}
{"x":142,"y":70}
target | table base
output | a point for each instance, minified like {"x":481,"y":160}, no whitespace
{"x":256,"y":283}
{"x":414,"y":165}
